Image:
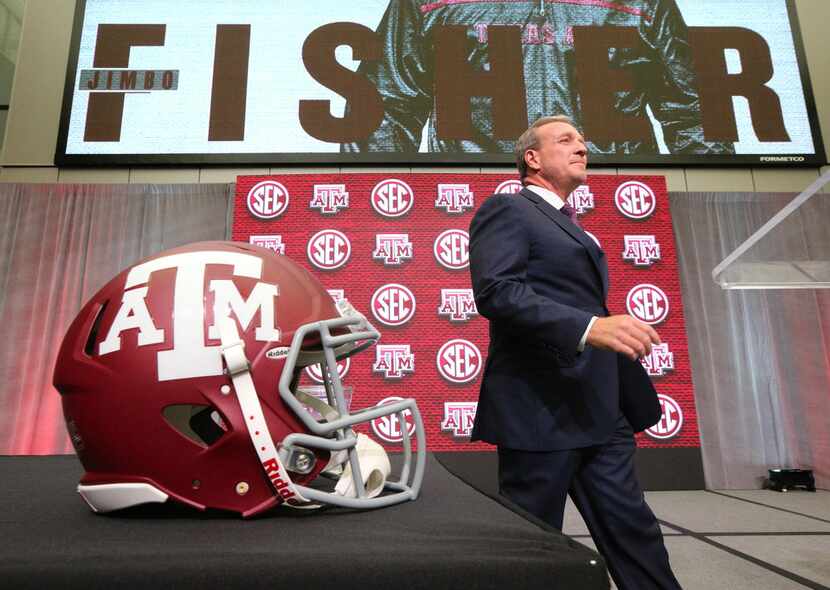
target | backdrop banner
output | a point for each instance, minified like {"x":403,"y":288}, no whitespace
{"x":397,"y":247}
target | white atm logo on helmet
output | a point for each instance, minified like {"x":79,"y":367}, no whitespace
{"x":267,"y":199}
{"x":392,"y":198}
{"x":509,"y":187}
{"x":190,"y":357}
{"x":388,"y":428}
{"x":393,"y":304}
{"x":647,"y":303}
{"x":635,"y":200}
{"x":329,"y":249}
{"x":670,"y":423}
{"x":452,"y":249}
{"x":459,"y":361}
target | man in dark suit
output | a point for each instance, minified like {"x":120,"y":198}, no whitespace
{"x":563,"y":392}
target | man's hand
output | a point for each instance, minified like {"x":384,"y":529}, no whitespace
{"x":624,"y":334}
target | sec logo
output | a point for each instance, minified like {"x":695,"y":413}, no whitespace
{"x":267,"y":199}
{"x":509,"y":187}
{"x":393,"y":304}
{"x":452,"y":249}
{"x":388,"y":428}
{"x":670,"y":423}
{"x":316,"y":373}
{"x":329,"y":249}
{"x":392,"y":198}
{"x":635,"y":200}
{"x":647,"y":303}
{"x":459,"y":361}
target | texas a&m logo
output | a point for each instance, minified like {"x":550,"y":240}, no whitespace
{"x":392,"y":249}
{"x":647,"y":303}
{"x":452,"y":249}
{"x":394,"y":360}
{"x":635,"y":200}
{"x":189,"y":355}
{"x":582,"y":199}
{"x":329,"y":198}
{"x":509,"y":187}
{"x":457,"y":304}
{"x":393,"y":304}
{"x":273,"y":242}
{"x":329,"y":249}
{"x":267,"y":199}
{"x":659,"y":361}
{"x":459,"y":361}
{"x":458,"y":418}
{"x":641,"y":250}
{"x":454,"y":198}
{"x":392,"y":198}
{"x":388,"y":428}
{"x":670,"y":423}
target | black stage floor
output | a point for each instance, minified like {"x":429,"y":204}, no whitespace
{"x":454,"y":536}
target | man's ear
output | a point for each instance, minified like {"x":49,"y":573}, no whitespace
{"x":532,"y":160}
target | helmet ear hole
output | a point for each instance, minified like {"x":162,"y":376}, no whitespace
{"x":89,"y":347}
{"x":202,"y":425}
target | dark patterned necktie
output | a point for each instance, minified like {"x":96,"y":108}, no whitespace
{"x":571,"y":213}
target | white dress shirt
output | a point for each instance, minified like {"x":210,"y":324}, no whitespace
{"x":557,"y":203}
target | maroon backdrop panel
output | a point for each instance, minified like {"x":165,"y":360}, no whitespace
{"x":396,"y":246}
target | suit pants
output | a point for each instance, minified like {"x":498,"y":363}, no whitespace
{"x":603,"y":485}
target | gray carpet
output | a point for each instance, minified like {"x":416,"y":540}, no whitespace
{"x":740,"y":540}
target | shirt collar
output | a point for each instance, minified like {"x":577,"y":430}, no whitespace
{"x":549,"y":196}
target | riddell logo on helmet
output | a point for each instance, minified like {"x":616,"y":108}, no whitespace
{"x":272,"y":470}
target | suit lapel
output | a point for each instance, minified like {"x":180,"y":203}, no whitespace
{"x":572,"y":230}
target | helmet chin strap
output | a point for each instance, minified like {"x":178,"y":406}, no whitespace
{"x":233,"y":351}
{"x":372,"y":458}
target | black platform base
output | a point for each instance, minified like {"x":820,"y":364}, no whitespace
{"x":659,"y":469}
{"x":452,"y":537}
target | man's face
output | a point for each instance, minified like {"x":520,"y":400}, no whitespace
{"x":560,"y":159}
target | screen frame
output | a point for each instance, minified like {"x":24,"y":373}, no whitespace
{"x":794,"y":160}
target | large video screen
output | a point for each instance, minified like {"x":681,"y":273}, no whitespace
{"x":424,"y":81}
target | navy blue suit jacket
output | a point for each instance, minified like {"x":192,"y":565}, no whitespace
{"x":539,"y":279}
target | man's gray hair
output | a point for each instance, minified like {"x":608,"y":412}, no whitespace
{"x":530,"y":140}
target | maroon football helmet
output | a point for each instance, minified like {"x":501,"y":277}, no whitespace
{"x":180,"y":380}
